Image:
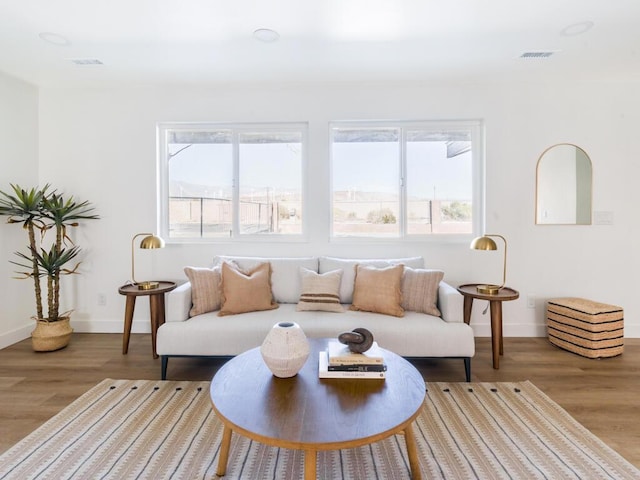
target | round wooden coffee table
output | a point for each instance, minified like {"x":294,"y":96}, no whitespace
{"x":312,"y":414}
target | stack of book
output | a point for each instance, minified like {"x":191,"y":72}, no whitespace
{"x":337,"y":361}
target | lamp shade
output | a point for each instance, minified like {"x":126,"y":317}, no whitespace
{"x":151,"y":241}
{"x":483,"y":243}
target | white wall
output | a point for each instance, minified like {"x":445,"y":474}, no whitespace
{"x":18,"y":164}
{"x":101,"y":145}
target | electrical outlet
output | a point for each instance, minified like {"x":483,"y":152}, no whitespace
{"x":531,"y":301}
{"x":102,"y":299}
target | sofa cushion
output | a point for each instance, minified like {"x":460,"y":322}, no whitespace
{"x":320,"y":291}
{"x":378,"y":290}
{"x":246,"y":292}
{"x":286,"y":283}
{"x":348,"y":266}
{"x":205,"y":289}
{"x":420,"y":290}
{"x":414,"y":335}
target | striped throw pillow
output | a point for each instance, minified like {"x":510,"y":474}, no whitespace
{"x":420,"y":290}
{"x":205,"y":289}
{"x":320,"y":291}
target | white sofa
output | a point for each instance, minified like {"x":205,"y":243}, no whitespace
{"x":412,"y":335}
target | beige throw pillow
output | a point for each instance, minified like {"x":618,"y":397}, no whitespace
{"x":246,"y":292}
{"x":205,"y":289}
{"x":420,"y":290}
{"x":320,"y":291}
{"x":378,"y":290}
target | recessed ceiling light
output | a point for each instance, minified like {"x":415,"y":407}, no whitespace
{"x":577,"y":29}
{"x":54,"y":39}
{"x":266,"y":35}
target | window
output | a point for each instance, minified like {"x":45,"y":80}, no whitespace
{"x":396,"y":180}
{"x":220,"y":182}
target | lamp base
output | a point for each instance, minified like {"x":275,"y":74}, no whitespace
{"x":488,"y":289}
{"x":147,"y":285}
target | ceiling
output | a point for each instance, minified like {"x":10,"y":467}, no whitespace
{"x":142,"y":42}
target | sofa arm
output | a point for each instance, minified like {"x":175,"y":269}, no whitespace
{"x":450,"y":303}
{"x":178,"y":303}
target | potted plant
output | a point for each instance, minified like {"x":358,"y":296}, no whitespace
{"x":40,"y":210}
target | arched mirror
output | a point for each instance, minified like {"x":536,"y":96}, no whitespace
{"x":563,"y":186}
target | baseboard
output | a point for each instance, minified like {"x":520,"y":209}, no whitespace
{"x":81,"y":326}
{"x":484,"y":330}
{"x":109,"y":326}
{"x":518,"y":330}
{"x":15,"y":336}
{"x":142,"y":326}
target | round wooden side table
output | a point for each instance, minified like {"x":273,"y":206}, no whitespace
{"x":156,"y":307}
{"x":469,"y":291}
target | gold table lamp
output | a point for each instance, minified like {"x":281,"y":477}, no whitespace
{"x":149,"y":241}
{"x":487,"y":243}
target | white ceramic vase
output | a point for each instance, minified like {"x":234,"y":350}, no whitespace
{"x":285,"y":349}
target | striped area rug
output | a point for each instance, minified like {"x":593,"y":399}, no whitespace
{"x":124,"y":429}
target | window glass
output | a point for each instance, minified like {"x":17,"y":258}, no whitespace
{"x":366,"y":189}
{"x":231,"y":182}
{"x":439,"y":183}
{"x":405,"y":179}
{"x":270,"y":183}
{"x":200,"y":184}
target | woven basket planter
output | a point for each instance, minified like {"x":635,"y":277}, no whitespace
{"x":51,"y":336}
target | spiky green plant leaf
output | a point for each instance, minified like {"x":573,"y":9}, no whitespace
{"x":42,"y":210}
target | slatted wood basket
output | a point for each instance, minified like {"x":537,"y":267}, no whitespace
{"x":585,"y":327}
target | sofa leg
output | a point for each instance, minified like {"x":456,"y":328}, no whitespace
{"x":467,"y":368}
{"x":164,"y":360}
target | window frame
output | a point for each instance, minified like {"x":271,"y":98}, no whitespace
{"x":236,"y":129}
{"x":476,"y":130}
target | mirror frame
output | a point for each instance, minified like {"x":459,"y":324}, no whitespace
{"x":537,"y":197}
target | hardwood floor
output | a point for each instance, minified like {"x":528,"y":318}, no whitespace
{"x":603,"y":395}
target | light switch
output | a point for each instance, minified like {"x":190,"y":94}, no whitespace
{"x":603,"y":218}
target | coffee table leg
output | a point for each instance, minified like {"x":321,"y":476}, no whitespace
{"x":310,"y":465}
{"x":224,"y":452}
{"x":412,"y":452}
